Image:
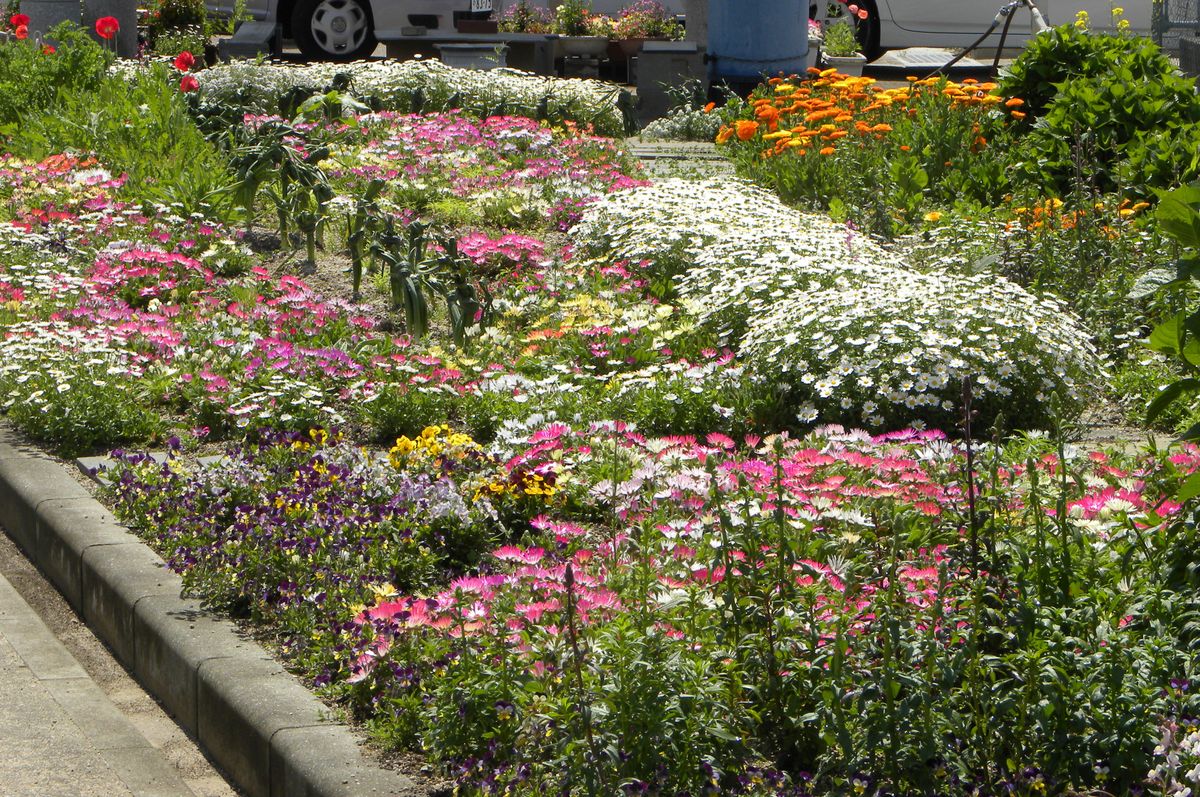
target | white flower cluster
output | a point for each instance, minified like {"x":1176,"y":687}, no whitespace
{"x":1178,"y":772}
{"x":898,"y":347}
{"x":684,"y":124}
{"x":849,"y":327}
{"x":258,"y":87}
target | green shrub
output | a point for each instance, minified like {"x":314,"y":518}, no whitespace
{"x":35,"y":81}
{"x":138,"y":125}
{"x":1110,"y":106}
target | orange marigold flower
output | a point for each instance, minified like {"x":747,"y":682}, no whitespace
{"x":746,"y":129}
{"x":827,"y":150}
{"x":724,"y":134}
{"x":708,"y":108}
{"x":882,"y":127}
{"x":1014,"y":102}
{"x":1018,"y":115}
{"x":767,"y":113}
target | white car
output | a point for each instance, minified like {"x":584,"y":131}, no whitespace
{"x":344,"y":30}
{"x":892,"y":24}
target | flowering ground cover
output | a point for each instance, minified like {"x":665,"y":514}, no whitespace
{"x":778,"y":615}
{"x":539,"y":482}
{"x":416,"y":86}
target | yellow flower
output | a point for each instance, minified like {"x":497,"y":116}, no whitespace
{"x":383,"y":591}
{"x":933,"y":216}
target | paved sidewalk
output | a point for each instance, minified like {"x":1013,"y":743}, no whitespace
{"x":67,"y":730}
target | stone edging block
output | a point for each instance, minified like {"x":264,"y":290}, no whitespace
{"x":267,"y":731}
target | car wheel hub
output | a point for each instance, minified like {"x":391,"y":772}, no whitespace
{"x":339,"y":26}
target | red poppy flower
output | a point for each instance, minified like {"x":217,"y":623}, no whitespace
{"x":19,"y":20}
{"x":189,"y":83}
{"x":185,"y":61}
{"x":48,"y":49}
{"x":107,"y":27}
{"x":22,"y":32}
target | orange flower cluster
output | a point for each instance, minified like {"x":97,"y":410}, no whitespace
{"x":1050,"y":215}
{"x":791,"y":115}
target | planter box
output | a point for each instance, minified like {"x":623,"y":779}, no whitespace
{"x":624,"y":49}
{"x":582,"y":46}
{"x":477,"y":26}
{"x":473,"y":56}
{"x":851,"y":65}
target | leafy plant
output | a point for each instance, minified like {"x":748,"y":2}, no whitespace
{"x":139,"y":125}
{"x":36,"y":81}
{"x":521,"y":17}
{"x":839,"y":38}
{"x":572,"y":18}
{"x":1178,"y":337}
{"x":646,"y":19}
{"x":1119,"y":94}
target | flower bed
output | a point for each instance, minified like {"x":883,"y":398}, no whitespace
{"x":843,"y":323}
{"x":759,"y":609}
{"x":606,"y":547}
{"x":416,"y":86}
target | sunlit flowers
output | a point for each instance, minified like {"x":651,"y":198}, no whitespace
{"x":107,"y":27}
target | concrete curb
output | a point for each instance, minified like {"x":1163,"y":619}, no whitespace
{"x":270,"y":734}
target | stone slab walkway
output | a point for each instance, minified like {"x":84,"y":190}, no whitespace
{"x":70,"y":730}
{"x":691,"y":159}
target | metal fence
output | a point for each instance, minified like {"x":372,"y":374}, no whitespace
{"x":1173,"y":18}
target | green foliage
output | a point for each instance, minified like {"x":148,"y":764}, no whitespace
{"x":839,"y":38}
{"x":35,"y":82}
{"x":421,"y":266}
{"x":1058,"y":57}
{"x":1118,"y":97}
{"x":139,"y":126}
{"x":1178,"y":337}
{"x":90,"y":409}
{"x":172,"y":16}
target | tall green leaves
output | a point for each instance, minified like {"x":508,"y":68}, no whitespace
{"x":1179,"y":336}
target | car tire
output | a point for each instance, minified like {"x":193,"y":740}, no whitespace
{"x":334,"y":30}
{"x":867,"y":30}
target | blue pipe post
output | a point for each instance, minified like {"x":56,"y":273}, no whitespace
{"x":748,"y":39}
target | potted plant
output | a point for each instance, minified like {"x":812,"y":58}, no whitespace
{"x":572,"y":21}
{"x":644,"y":19}
{"x":521,"y":17}
{"x":839,"y":47}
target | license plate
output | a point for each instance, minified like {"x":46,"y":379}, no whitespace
{"x":481,"y":5}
